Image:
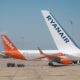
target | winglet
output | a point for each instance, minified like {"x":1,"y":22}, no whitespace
{"x":40,"y":51}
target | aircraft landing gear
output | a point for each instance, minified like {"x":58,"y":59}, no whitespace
{"x":11,"y":65}
{"x":75,"y":62}
{"x":14,"y":65}
{"x":50,"y":64}
{"x":20,"y":65}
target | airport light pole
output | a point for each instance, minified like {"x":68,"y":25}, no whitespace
{"x":22,"y":42}
{"x":71,"y":28}
{"x":72,"y":35}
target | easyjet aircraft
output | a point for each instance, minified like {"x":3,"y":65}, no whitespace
{"x":67,"y":50}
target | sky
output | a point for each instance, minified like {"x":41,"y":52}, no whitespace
{"x":23,"y":23}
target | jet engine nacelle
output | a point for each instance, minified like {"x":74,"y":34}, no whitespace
{"x":65,"y":61}
{"x":62,"y":60}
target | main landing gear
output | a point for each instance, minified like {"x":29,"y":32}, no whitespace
{"x":75,"y":62}
{"x":14,"y":65}
{"x":10,"y":64}
{"x":50,"y":64}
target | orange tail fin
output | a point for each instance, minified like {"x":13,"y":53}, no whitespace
{"x":8,"y":45}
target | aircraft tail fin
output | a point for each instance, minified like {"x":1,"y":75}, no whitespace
{"x":8,"y":45}
{"x":60,"y":37}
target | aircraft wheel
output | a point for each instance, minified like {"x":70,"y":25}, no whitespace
{"x":50,"y":64}
{"x":20,"y":65}
{"x":11,"y":65}
{"x":75,"y":62}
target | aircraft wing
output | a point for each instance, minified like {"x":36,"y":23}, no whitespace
{"x":57,"y":57}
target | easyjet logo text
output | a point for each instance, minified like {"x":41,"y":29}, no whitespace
{"x":7,"y":42}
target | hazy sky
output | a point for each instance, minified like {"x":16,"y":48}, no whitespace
{"x":23,"y":23}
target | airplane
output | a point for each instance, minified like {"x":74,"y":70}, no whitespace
{"x":67,"y":52}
